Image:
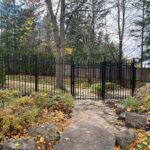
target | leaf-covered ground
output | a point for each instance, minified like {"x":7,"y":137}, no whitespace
{"x":38,"y":109}
{"x":142,"y":141}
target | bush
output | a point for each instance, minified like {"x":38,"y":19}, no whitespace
{"x":147,"y":99}
{"x":24,"y":111}
{"x":30,"y":116}
{"x":63,"y":103}
{"x":41,"y":100}
{"x":9,"y":124}
{"x":24,"y":102}
{"x":110,"y":86}
{"x":7,"y":96}
{"x":131,"y":103}
{"x":96,"y":88}
{"x":142,"y":106}
{"x":145,"y":105}
{"x":67,"y":100}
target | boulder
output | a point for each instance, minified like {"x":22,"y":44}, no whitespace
{"x":48,"y":131}
{"x":135,"y":120}
{"x":19,"y":144}
{"x":124,"y":138}
{"x":122,"y":116}
{"x":85,"y":136}
{"x":120,"y":109}
{"x":110,"y":103}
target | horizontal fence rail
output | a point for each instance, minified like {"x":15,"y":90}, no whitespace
{"x":86,"y":80}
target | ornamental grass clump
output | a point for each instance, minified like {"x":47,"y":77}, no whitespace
{"x":139,"y":106}
{"x":131,"y":104}
{"x":96,"y":88}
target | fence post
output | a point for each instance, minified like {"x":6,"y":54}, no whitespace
{"x":103,"y":78}
{"x":133,"y":77}
{"x":36,"y":73}
{"x":72,"y":78}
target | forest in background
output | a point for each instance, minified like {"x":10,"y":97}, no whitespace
{"x":81,"y":29}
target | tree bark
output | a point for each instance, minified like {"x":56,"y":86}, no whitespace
{"x":59,"y":37}
{"x":142,"y":37}
{"x":121,"y":26}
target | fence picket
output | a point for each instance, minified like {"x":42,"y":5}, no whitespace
{"x":84,"y":80}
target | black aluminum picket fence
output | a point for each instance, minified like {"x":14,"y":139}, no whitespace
{"x":86,"y":80}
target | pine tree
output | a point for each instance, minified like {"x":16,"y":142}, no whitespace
{"x":142,"y":30}
{"x":146,"y":54}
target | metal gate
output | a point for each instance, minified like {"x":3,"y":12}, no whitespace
{"x":105,"y":80}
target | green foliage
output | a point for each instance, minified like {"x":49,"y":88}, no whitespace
{"x":142,"y":106}
{"x":147,"y":99}
{"x":145,"y":105}
{"x":2,"y":136}
{"x":142,"y":141}
{"x":31,"y":115}
{"x":25,"y":110}
{"x":67,"y":100}
{"x":110,"y":86}
{"x":10,"y":122}
{"x":143,"y":23}
{"x":24,"y":102}
{"x":40,"y":99}
{"x":7,"y":96}
{"x":96,"y":88}
{"x":131,"y":103}
{"x":63,"y":103}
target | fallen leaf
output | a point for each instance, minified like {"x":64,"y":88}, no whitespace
{"x":17,"y":145}
{"x":145,"y":143}
{"x":128,"y":109}
{"x":88,"y":132}
{"x":66,"y":138}
{"x":42,"y":140}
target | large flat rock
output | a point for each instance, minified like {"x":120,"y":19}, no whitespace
{"x":93,"y":127}
{"x":86,"y":137}
{"x":135,"y":120}
{"x":88,"y":132}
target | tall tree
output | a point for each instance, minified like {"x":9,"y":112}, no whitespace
{"x":59,"y":36}
{"x":139,"y":31}
{"x":18,"y":26}
{"x":121,"y":6}
{"x":141,"y":28}
{"x":59,"y":30}
{"x":146,"y":53}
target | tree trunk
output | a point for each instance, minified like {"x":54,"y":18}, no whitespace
{"x":59,"y":74}
{"x":59,"y":37}
{"x":142,"y":38}
{"x":121,"y":26}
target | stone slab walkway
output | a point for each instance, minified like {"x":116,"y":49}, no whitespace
{"x":93,"y":127}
